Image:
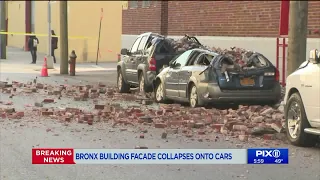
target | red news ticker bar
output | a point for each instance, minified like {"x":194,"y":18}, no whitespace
{"x":284,"y":18}
{"x":52,"y":156}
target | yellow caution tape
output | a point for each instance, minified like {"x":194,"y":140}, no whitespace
{"x":32,"y":34}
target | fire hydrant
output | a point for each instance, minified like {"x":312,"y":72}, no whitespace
{"x":72,"y":62}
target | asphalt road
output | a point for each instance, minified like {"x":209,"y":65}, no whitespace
{"x":18,"y":137}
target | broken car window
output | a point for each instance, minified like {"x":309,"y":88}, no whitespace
{"x":183,"y":59}
{"x":204,"y":59}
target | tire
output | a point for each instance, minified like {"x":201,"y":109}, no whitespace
{"x":194,"y":100}
{"x":142,"y":83}
{"x":300,"y":138}
{"x":159,"y":94}
{"x":123,"y":87}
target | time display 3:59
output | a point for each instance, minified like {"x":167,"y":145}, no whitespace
{"x":258,"y":161}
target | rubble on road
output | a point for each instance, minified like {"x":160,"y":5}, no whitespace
{"x":243,"y":123}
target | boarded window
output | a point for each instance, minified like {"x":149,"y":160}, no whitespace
{"x":133,"y":4}
{"x":146,"y":3}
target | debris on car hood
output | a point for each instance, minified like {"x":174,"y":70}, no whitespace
{"x":239,"y":58}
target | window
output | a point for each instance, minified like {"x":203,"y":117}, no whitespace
{"x":146,"y":3}
{"x":133,"y":4}
{"x":183,"y":58}
{"x":135,"y":45}
{"x":142,"y":43}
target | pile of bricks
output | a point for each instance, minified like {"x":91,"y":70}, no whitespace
{"x":243,"y":123}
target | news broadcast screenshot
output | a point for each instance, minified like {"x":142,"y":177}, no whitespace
{"x":161,"y":90}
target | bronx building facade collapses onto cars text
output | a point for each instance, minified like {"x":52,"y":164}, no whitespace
{"x":247,"y":24}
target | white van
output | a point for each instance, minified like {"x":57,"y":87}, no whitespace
{"x":302,"y":102}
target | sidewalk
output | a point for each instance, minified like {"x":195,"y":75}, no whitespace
{"x":17,"y":67}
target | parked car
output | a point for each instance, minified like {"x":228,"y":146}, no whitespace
{"x":302,"y":102}
{"x":148,"y":55}
{"x":203,"y":77}
{"x":139,"y":66}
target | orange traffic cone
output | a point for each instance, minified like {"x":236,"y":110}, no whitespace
{"x":44,"y":70}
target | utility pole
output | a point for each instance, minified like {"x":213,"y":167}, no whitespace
{"x":49,"y":57}
{"x":298,"y":24}
{"x":3,"y":28}
{"x":63,"y":37}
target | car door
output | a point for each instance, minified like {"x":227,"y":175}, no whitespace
{"x":311,"y":95}
{"x":131,"y":72}
{"x":186,"y":72}
{"x":139,"y":58}
{"x":172,"y":76}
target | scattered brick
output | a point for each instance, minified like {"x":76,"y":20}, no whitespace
{"x":48,"y":100}
{"x":46,"y":113}
{"x":98,"y":106}
{"x":160,"y":125}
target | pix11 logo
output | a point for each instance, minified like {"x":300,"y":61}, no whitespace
{"x":268,"y":153}
{"x":268,"y":156}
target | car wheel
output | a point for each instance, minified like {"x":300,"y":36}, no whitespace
{"x":159,"y":93}
{"x":141,"y":83}
{"x":193,"y":97}
{"x":296,"y":122}
{"x":123,"y":87}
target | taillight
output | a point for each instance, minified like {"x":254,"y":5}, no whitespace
{"x":152,"y":64}
{"x":277,"y":75}
{"x":119,"y":57}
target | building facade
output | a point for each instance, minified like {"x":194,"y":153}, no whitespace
{"x":83,"y":26}
{"x":248,"y":24}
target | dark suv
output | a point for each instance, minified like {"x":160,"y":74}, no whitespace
{"x":139,"y":66}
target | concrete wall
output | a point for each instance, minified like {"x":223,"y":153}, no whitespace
{"x":83,"y":20}
{"x":16,"y":10}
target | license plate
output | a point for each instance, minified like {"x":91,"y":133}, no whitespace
{"x":247,"y":82}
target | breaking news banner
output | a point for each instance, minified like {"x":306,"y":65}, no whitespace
{"x":152,"y":156}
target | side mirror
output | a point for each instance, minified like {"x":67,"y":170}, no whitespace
{"x":124,"y":51}
{"x":171,"y":64}
{"x":314,"y":56}
{"x":177,"y":65}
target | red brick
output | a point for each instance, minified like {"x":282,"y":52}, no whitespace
{"x":48,"y":100}
{"x":90,"y":121}
{"x":93,"y":90}
{"x":46,"y":113}
{"x":216,"y":126}
{"x":20,"y":114}
{"x":88,"y":117}
{"x":97,"y":106}
{"x":67,"y":119}
{"x":269,"y":137}
{"x":160,"y":125}
{"x":240,"y":128}
{"x":139,"y":114}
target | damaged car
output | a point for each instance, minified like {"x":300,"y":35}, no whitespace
{"x":202,"y":77}
{"x":139,"y":66}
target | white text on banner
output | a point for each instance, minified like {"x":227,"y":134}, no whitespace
{"x":160,"y":156}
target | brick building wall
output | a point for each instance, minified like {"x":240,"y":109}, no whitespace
{"x":211,"y":18}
